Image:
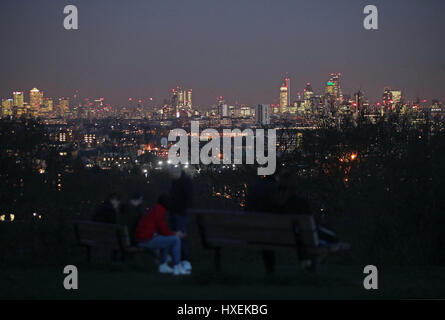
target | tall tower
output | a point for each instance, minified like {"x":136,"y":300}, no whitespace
{"x":18,"y":103}
{"x":308,"y":94}
{"x":35,"y":100}
{"x":262,"y":115}
{"x":284,"y":98}
{"x":181,"y":97}
{"x":387,"y":98}
{"x":288,"y":91}
{"x":189,"y":98}
{"x":7,"y":107}
{"x":396,"y":98}
{"x":333,"y":87}
{"x":64,"y":106}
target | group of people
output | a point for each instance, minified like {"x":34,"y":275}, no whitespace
{"x":168,"y":237}
{"x":151,"y":228}
{"x":281,"y":194}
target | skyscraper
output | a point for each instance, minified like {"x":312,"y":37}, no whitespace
{"x":181,"y":97}
{"x":64,"y":107}
{"x":17,"y":98}
{"x":333,"y":87}
{"x":7,"y":107}
{"x":396,"y":98}
{"x":284,"y":98}
{"x":189,"y":99}
{"x":288,"y":91}
{"x":307,"y":96}
{"x":262,"y":115}
{"x":18,"y":103}
{"x":35,"y":100}
{"x":48,"y":104}
{"x":387,"y":98}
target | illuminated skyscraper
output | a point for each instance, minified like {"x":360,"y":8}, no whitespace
{"x":181,"y":97}
{"x":189,"y":99}
{"x":287,"y":80}
{"x":7,"y":107}
{"x":396,"y":98}
{"x":307,"y":96}
{"x":284,"y":98}
{"x":387,"y":98}
{"x":18,"y":104}
{"x":35,"y":100}
{"x":64,"y":107}
{"x":308,"y":92}
{"x":333,"y":87}
{"x":48,"y":104}
{"x":360,"y":101}
{"x":18,"y":100}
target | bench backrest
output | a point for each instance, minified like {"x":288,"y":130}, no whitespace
{"x":102,"y":234}
{"x":261,"y":229}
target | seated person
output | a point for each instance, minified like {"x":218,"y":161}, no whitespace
{"x":279,"y":194}
{"x":108,"y":211}
{"x":153,"y":232}
{"x":131,"y":213}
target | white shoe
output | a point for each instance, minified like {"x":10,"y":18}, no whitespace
{"x":186,"y":265}
{"x":164,"y":268}
{"x":178,"y":270}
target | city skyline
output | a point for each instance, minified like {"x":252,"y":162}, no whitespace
{"x":26,"y":98}
{"x":238,"y":51}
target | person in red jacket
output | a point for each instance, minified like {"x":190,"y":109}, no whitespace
{"x":153,"y":232}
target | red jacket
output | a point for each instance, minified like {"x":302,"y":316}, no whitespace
{"x":152,"y":222}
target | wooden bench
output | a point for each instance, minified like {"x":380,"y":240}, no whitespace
{"x":105,"y":242}
{"x":266,"y":231}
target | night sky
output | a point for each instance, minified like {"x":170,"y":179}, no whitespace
{"x":240,"y":49}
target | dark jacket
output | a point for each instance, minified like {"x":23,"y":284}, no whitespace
{"x":105,"y":213}
{"x":181,"y":195}
{"x":130,"y":217}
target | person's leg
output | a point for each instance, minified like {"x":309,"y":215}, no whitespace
{"x":163,"y":255}
{"x":164,"y":243}
{"x":180,"y":223}
{"x":326,"y":236}
{"x":175,"y":249}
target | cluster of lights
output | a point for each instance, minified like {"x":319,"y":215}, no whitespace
{"x":4,"y":216}
{"x":351,"y":157}
{"x":37,"y":215}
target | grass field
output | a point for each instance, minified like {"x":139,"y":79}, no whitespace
{"x":241,"y":281}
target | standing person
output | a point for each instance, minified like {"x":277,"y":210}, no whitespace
{"x":181,"y":194}
{"x":108,"y":211}
{"x":152,"y":232}
{"x":131,"y":214}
